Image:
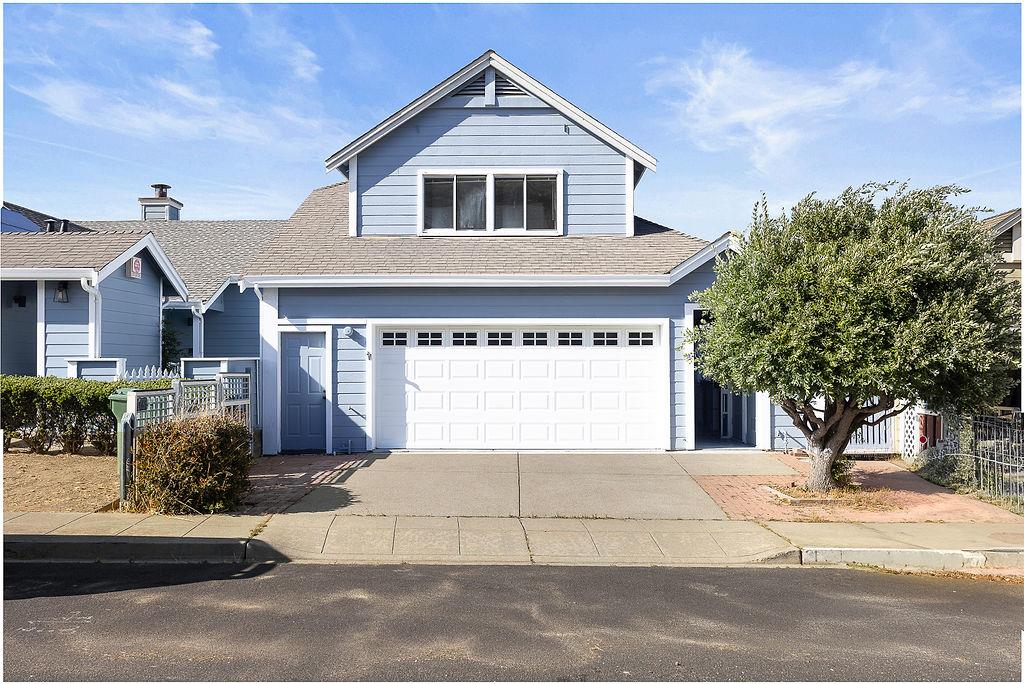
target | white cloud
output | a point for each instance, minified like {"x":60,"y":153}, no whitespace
{"x":274,"y":40}
{"x":178,"y":111}
{"x":153,"y":26}
{"x":724,"y":98}
{"x":730,"y":100}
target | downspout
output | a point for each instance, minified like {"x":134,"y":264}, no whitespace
{"x":97,"y":302}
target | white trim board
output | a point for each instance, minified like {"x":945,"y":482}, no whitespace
{"x":40,"y":327}
{"x":530,"y":85}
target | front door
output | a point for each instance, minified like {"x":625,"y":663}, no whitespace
{"x":726,"y":414}
{"x":304,"y":399}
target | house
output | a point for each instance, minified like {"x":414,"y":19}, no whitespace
{"x":1005,"y":229}
{"x":479,"y":280}
{"x":217,"y":320}
{"x":78,"y":303}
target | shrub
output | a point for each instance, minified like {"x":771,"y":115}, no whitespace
{"x":192,"y":464}
{"x":43,"y":411}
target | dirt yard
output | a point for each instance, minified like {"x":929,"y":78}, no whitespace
{"x":58,"y":482}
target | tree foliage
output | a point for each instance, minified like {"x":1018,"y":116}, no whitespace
{"x":847,"y":309}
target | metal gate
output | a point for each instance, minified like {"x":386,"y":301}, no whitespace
{"x":874,"y":439}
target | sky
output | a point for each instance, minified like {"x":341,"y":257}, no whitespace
{"x":237,"y":106}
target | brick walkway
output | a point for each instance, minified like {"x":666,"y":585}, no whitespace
{"x":900,"y":496}
{"x":277,"y":482}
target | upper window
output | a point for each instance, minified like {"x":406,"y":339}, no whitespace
{"x":499,"y":339}
{"x":641,"y":338}
{"x":394,"y":339}
{"x":606,"y":339}
{"x":463,"y":339}
{"x":454,"y":203}
{"x":503,"y":202}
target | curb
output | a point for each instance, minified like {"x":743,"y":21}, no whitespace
{"x":925,"y":559}
{"x":90,"y":548}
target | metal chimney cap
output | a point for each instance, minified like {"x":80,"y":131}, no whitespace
{"x":51,"y":225}
{"x":161,"y":189}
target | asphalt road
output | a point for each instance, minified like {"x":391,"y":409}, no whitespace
{"x":100,"y":622}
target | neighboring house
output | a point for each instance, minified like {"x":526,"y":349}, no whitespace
{"x":77,"y":303}
{"x":480,"y":281}
{"x":1005,"y":229}
{"x":218,"y":320}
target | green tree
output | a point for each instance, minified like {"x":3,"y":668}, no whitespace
{"x":848,"y":310}
{"x":170,"y":345}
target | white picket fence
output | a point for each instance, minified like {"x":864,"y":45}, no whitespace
{"x":149,"y":373}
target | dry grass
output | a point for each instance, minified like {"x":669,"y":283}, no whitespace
{"x":855,"y":498}
{"x":58,"y":482}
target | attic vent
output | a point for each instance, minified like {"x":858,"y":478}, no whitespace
{"x":504,"y":87}
{"x":474,"y":87}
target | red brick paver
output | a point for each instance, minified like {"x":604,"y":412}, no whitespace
{"x":901,"y":496}
{"x":277,"y":482}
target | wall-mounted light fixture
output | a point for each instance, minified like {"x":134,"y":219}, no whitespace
{"x":346,"y":331}
{"x":20,"y":300}
{"x":60,"y":294}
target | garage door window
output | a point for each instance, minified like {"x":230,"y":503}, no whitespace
{"x":535,"y":339}
{"x":570,"y":339}
{"x":463,"y":339}
{"x":499,"y":339}
{"x":606,"y":339}
{"x":429,"y":339}
{"x":394,"y":339}
{"x":641,"y":338}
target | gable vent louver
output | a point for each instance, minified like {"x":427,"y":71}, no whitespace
{"x":504,"y":87}
{"x":473,"y":88}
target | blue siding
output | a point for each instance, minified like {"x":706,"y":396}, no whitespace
{"x":18,"y":328}
{"x":131,"y":316}
{"x":452,"y":303}
{"x":202,"y":369}
{"x":67,"y":327}
{"x":235,"y":331}
{"x":350,"y":409}
{"x":451,"y":137}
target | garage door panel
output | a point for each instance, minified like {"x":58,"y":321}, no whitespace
{"x":520,"y":396}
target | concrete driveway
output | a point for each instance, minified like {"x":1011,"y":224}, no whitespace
{"x":641,"y":485}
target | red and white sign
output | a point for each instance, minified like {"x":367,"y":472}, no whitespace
{"x":133,"y":268}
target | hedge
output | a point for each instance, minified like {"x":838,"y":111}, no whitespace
{"x":191,"y":464}
{"x":44,"y":411}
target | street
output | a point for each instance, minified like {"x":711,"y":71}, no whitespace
{"x":406,"y":622}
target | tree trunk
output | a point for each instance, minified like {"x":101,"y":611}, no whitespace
{"x":822,"y":458}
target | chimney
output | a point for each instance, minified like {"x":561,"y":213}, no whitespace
{"x":161,"y":206}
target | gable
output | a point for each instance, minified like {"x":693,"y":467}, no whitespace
{"x":488,"y":64}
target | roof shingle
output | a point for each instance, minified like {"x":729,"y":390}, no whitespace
{"x":315,"y":241}
{"x":65,"y":250}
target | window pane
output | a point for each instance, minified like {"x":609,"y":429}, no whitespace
{"x":437,"y":202}
{"x":540,"y":202}
{"x":471,"y":196}
{"x":508,"y":202}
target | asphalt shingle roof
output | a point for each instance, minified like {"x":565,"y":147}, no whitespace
{"x":64,"y":250}
{"x":992,"y":221}
{"x":37,"y":217}
{"x":204,"y":253}
{"x":315,"y":241}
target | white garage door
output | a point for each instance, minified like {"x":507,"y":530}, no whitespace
{"x":527,"y":388}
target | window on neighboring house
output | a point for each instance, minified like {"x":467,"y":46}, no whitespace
{"x":499,"y":339}
{"x":535,"y":339}
{"x":570,"y":339}
{"x":394,"y":339}
{"x":505,"y":202}
{"x":463,"y":339}
{"x":429,"y":339}
{"x":641,"y":338}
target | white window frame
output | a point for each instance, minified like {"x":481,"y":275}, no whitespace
{"x":491,"y":174}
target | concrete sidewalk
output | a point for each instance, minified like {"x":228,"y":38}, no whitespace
{"x":333,"y":538}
